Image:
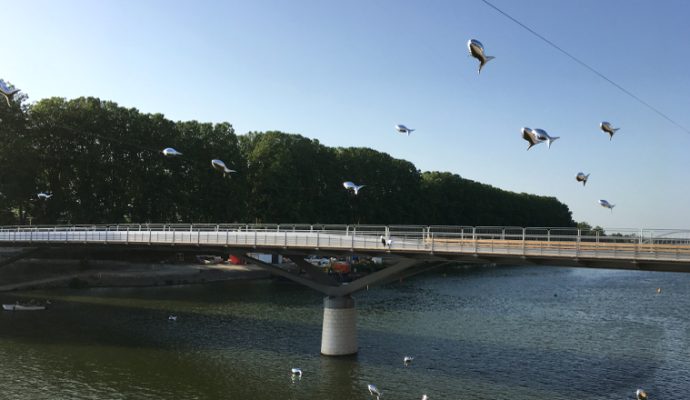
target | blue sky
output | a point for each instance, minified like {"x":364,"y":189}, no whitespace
{"x":346,"y":72}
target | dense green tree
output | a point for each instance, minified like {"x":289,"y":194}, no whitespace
{"x":103,"y":164}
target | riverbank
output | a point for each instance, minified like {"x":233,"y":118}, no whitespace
{"x":43,"y":274}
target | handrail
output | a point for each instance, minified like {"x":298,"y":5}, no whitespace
{"x":559,"y":242}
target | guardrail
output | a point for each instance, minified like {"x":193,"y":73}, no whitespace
{"x":572,"y":243}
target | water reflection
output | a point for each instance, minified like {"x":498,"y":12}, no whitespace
{"x":518,"y":333}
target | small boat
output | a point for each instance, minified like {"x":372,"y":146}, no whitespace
{"x":22,"y":307}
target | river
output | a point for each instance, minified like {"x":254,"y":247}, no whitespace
{"x":487,"y":333}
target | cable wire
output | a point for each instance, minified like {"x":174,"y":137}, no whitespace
{"x":584,"y":64}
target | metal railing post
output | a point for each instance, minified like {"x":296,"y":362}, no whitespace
{"x":127,"y":236}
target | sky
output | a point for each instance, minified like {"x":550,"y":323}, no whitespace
{"x":346,"y":72}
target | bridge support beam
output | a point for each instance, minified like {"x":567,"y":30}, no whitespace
{"x":339,"y":333}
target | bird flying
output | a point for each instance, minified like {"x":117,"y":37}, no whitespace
{"x":170,"y":152}
{"x":581,"y":177}
{"x":350,"y":185}
{"x":542,"y":136}
{"x":530,"y":136}
{"x":8,"y":91}
{"x":220,"y":166}
{"x":606,"y":127}
{"x":403,"y":129}
{"x":476,"y":49}
{"x":606,"y":204}
{"x":44,"y":195}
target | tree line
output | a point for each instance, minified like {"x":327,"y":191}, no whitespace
{"x":102,"y":163}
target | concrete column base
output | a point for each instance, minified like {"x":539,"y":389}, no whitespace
{"x":339,"y":334}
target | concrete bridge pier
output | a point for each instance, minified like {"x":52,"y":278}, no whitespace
{"x":339,"y":333}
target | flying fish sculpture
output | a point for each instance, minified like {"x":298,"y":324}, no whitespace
{"x":170,"y":152}
{"x":352,"y":186}
{"x":476,"y":49}
{"x":403,"y":129}
{"x":607,"y":128}
{"x":542,"y":136}
{"x":219,"y":165}
{"x":530,"y":136}
{"x":581,"y":177}
{"x":606,"y":204}
{"x":8,"y":90}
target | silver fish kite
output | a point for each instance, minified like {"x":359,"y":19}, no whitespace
{"x":7,"y":90}
{"x":530,"y":136}
{"x":219,"y":165}
{"x":403,"y":129}
{"x":476,"y":49}
{"x":606,"y":127}
{"x":351,"y":186}
{"x":581,"y":177}
{"x":606,"y":204}
{"x":170,"y":152}
{"x":542,"y":136}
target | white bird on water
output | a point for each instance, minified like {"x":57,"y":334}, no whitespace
{"x":606,"y":204}
{"x":350,"y":185}
{"x":581,"y":177}
{"x":172,"y":317}
{"x":407,"y":360}
{"x":403,"y":129}
{"x":425,"y":397}
{"x":476,"y":49}
{"x":44,"y":195}
{"x":373,"y":390}
{"x":606,"y":127}
{"x":8,"y":91}
{"x":641,"y":394}
{"x":297,"y":371}
{"x":530,"y":136}
{"x":170,"y":152}
{"x":220,"y":166}
{"x":542,"y":136}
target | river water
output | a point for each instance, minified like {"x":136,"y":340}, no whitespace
{"x":490,"y":333}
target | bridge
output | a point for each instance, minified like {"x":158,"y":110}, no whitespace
{"x":407,"y":250}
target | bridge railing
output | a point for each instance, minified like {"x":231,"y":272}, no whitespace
{"x":532,"y":241}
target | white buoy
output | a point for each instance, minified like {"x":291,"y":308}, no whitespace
{"x":373,"y":390}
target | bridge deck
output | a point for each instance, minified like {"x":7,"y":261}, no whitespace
{"x":481,"y":244}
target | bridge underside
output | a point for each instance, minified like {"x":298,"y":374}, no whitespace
{"x":72,"y":250}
